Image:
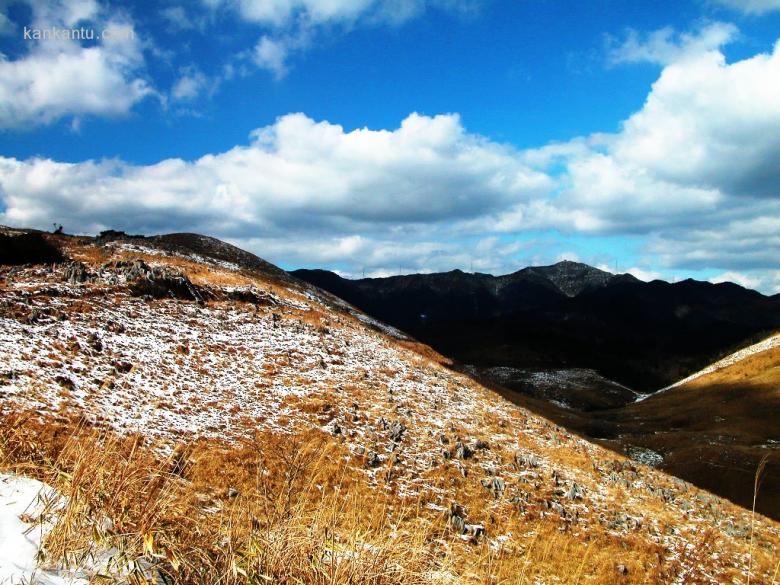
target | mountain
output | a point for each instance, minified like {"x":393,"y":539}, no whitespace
{"x":572,"y":278}
{"x":193,"y":415}
{"x":569,"y":315}
{"x":431,"y":299}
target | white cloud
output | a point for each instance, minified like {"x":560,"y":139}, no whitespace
{"x":751,"y":6}
{"x":60,"y":78}
{"x":177,"y":18}
{"x":738,"y":278}
{"x":296,"y":172}
{"x":710,"y":125}
{"x":666,"y":45}
{"x":281,"y":13}
{"x":642,"y":274}
{"x":693,"y":173}
{"x":292,"y":26}
{"x":271,"y":54}
{"x":191,"y":84}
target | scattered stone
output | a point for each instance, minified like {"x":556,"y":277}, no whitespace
{"x":77,"y":273}
{"x":232,"y":493}
{"x":524,"y":460}
{"x":397,"y":430}
{"x":481,"y":445}
{"x":95,"y":342}
{"x":462,"y":451}
{"x":457,"y":518}
{"x":121,"y":367}
{"x":495,"y":485}
{"x":115,"y":327}
{"x":65,"y":382}
{"x":252,"y":296}
{"x":373,"y":459}
{"x":155,"y":281}
{"x":575,"y":492}
{"x":472,"y":532}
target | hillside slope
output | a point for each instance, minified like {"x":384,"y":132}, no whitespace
{"x":569,"y":315}
{"x":176,"y":398}
{"x":712,"y":428}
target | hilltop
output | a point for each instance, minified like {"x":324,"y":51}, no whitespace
{"x":206,"y":417}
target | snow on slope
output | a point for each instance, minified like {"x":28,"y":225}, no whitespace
{"x":729,"y":360}
{"x":21,"y":502}
{"x":28,"y":512}
{"x":176,"y":370}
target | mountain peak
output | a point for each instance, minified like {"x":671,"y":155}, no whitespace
{"x":571,"y":278}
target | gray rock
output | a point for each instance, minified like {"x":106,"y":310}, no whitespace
{"x":457,"y":518}
{"x":462,"y":451}
{"x":77,"y":273}
{"x":525,"y":460}
{"x":495,"y":485}
{"x":481,"y":445}
{"x":575,"y":492}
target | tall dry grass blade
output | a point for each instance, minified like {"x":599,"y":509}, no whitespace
{"x":756,"y":485}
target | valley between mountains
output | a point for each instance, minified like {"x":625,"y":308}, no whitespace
{"x":181,"y":411}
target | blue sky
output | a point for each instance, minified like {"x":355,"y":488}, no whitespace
{"x":407,"y":135}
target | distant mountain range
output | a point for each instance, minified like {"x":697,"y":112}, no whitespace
{"x":644,"y":335}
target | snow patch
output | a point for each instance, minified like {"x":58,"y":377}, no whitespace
{"x":20,"y":540}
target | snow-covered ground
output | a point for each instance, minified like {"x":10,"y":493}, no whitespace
{"x":177,"y":370}
{"x":22,"y":501}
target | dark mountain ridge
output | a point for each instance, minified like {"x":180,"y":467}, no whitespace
{"x":642,"y":334}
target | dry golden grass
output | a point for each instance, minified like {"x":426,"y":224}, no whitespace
{"x":292,"y":509}
{"x":757,"y":370}
{"x":301,"y":506}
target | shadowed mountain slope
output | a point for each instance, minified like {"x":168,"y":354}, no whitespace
{"x":643,"y":335}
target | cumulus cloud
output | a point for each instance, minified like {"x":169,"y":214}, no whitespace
{"x":643,"y":274}
{"x":738,"y":278}
{"x":702,"y":151}
{"x":693,"y":173}
{"x":56,"y":78}
{"x":295,"y":173}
